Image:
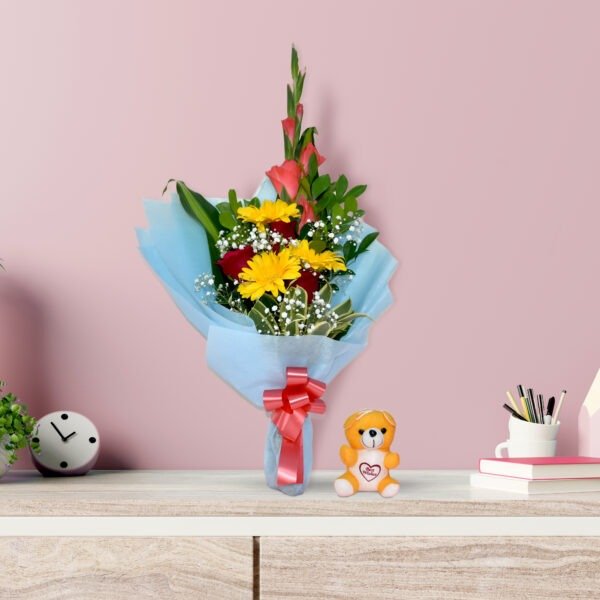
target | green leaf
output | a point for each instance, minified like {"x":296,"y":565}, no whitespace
{"x":343,"y":309}
{"x":200,"y":209}
{"x":233,"y":202}
{"x":307,"y":137}
{"x":208,"y":216}
{"x":366,"y":242}
{"x":294,"y":63}
{"x":341,"y":186}
{"x":349,"y":250}
{"x":326,"y":292}
{"x":350,"y":204}
{"x":320,"y":185}
{"x":357,"y":190}
{"x":300,"y":87}
{"x":318,"y":245}
{"x":313,"y":167}
{"x":227,"y":219}
{"x":262,"y":318}
{"x":321,"y":328}
{"x":291,"y":105}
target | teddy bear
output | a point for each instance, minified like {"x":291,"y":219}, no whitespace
{"x":368,"y":458}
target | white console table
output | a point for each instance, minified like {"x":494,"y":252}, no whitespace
{"x":165,"y":535}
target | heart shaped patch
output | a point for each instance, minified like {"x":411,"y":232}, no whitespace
{"x":369,"y":472}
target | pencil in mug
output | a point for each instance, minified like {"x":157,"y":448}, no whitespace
{"x":560,"y":403}
{"x":512,"y":401}
{"x":526,"y":412}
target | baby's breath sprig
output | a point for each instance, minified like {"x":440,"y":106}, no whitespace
{"x":16,"y":426}
{"x":292,"y":314}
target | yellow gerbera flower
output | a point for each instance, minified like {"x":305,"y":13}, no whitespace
{"x":267,"y":272}
{"x":268,"y":212}
{"x":319,"y":261}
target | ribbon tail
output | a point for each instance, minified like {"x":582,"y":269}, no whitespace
{"x":291,"y":462}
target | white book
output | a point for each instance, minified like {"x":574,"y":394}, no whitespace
{"x":555,"y":467}
{"x":534,"y":486}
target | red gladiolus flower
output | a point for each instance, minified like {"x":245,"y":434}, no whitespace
{"x":309,"y":280}
{"x":289,"y":127}
{"x":234,"y":261}
{"x":286,"y":230}
{"x":299,"y":110}
{"x":287,"y":176}
{"x":308,"y":212}
{"x":306,"y":153}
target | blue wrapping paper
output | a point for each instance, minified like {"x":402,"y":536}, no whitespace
{"x":175,"y":246}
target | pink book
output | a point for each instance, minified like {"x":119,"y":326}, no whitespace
{"x":555,"y":467}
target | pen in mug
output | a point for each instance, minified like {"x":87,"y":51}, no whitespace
{"x":531,"y":403}
{"x":513,"y":412}
{"x":549,"y":411}
{"x":540,"y":400}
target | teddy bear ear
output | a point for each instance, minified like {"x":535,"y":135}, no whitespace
{"x":354,"y":417}
{"x":348,"y":422}
{"x":389,"y":418}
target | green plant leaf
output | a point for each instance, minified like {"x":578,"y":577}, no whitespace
{"x":321,"y":328}
{"x":349,"y":250}
{"x":294,"y":63}
{"x":291,"y":105}
{"x":320,"y":185}
{"x":341,"y":186}
{"x":350,"y":204}
{"x":227,"y":219}
{"x":200,"y":209}
{"x":262,"y":318}
{"x":357,"y":190}
{"x":300,"y":86}
{"x":318,"y":245}
{"x":208,"y":216}
{"x":326,"y":292}
{"x":366,"y":242}
{"x":234,"y":203}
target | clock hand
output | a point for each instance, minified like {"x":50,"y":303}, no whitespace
{"x":70,"y":436}
{"x":62,"y":437}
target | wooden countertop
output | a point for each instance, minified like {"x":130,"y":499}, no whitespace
{"x":244,"y":493}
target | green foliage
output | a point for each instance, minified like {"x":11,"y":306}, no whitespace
{"x":16,"y":426}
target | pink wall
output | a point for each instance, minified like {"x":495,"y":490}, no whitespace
{"x":475,"y":124}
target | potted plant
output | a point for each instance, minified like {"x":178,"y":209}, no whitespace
{"x":16,"y":429}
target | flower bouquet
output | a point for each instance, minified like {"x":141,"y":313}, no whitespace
{"x":292,"y":277}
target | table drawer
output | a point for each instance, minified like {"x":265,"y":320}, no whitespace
{"x":453,"y":568}
{"x":86,"y":568}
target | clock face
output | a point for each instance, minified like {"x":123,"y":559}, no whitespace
{"x":69,"y":443}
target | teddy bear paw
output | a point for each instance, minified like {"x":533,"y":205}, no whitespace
{"x":391,"y":489}
{"x":343,"y":488}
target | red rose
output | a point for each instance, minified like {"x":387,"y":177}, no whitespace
{"x":286,"y":176}
{"x":234,"y":261}
{"x":309,"y":280}
{"x":286,"y":230}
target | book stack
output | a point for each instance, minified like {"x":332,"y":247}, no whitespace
{"x":555,"y":475}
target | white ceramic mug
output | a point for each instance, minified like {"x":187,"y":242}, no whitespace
{"x":527,"y":439}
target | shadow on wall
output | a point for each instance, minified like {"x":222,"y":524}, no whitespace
{"x":22,"y":349}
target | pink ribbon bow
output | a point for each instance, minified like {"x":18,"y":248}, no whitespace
{"x":289,"y":407}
